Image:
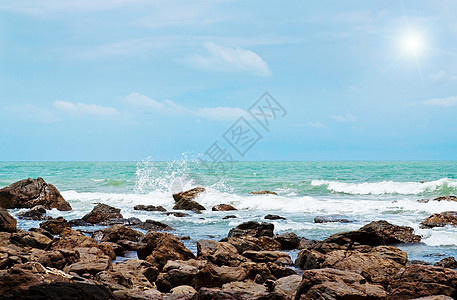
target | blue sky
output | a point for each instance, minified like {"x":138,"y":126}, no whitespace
{"x":127,"y":80}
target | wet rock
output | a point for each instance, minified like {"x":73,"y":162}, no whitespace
{"x":447,"y":262}
{"x":28,"y":193}
{"x":79,"y":222}
{"x":7,"y":222}
{"x":178,"y":273}
{"x":121,"y":221}
{"x":246,"y":289}
{"x":36,"y":213}
{"x":251,"y":228}
{"x":42,"y":231}
{"x":289,"y":241}
{"x":263,"y":193}
{"x":120,"y":232}
{"x":223,"y":207}
{"x":336,"y":284}
{"x":229,"y":217}
{"x":446,"y":198}
{"x":274,"y":217}
{"x":277,"y":257}
{"x":331,"y":218}
{"x":423,"y":200}
{"x":176,"y":214}
{"x":102,"y":212}
{"x":419,"y":281}
{"x":288,"y":285}
{"x":183,"y":290}
{"x":189,"y":194}
{"x":280,"y":271}
{"x":155,"y":226}
{"x":440,"y":220}
{"x":149,"y":208}
{"x":128,"y":245}
{"x":55,"y":226}
{"x":242,"y":245}
{"x":30,"y":239}
{"x":71,"y":239}
{"x":92,"y":261}
{"x":157,"y":248}
{"x":189,"y":205}
{"x":58,"y":259}
{"x":215,"y":276}
{"x":219,"y":253}
{"x":307,"y":244}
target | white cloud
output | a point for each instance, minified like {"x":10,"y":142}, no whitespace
{"x":88,"y":109}
{"x":344,"y":118}
{"x":444,"y":102}
{"x":142,"y":100}
{"x":317,"y":125}
{"x":226,"y":59}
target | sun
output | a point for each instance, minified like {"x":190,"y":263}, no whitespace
{"x":412,"y":44}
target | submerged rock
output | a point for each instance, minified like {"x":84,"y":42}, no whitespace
{"x":176,"y":214}
{"x":251,"y":228}
{"x":155,"y":226}
{"x":102,"y":212}
{"x":229,"y":217}
{"x":331,"y":218}
{"x":274,"y":217}
{"x":263,"y":193}
{"x":149,"y":208}
{"x":7,"y":222}
{"x":447,"y":262}
{"x":28,"y":193}
{"x":36,"y":213}
{"x":446,"y":198}
{"x":223,"y":207}
{"x":189,"y":194}
{"x":440,"y":220}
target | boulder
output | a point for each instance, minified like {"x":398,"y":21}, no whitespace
{"x":246,"y":289}
{"x":149,"y":208}
{"x":71,"y":239}
{"x":117,"y":249}
{"x":288,"y":285}
{"x":229,"y":217}
{"x":263,"y":193}
{"x":447,"y":262}
{"x":440,"y":220}
{"x":121,"y":221}
{"x":223,"y":207}
{"x":242,"y":245}
{"x":280,"y":271}
{"x":7,"y":222}
{"x":157,"y":248}
{"x":336,"y":284}
{"x":155,"y":226}
{"x":55,"y":226}
{"x":277,"y":257}
{"x":219,"y":253}
{"x":102,"y":212}
{"x":288,"y":241}
{"x":120,"y":232}
{"x":64,"y":290}
{"x":258,"y":272}
{"x":189,"y":205}
{"x":79,"y":222}
{"x":330,"y":219}
{"x":446,"y":198}
{"x":189,"y":194}
{"x":42,"y":231}
{"x":57,"y":259}
{"x":176,"y":214}
{"x":92,"y":261}
{"x":183,"y":290}
{"x":274,"y":217}
{"x":177,"y":273}
{"x":36,"y":213}
{"x":215,"y":276}
{"x":30,"y":239}
{"x":28,"y":193}
{"x":252,"y":228}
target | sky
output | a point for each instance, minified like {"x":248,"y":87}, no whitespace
{"x":139,"y":79}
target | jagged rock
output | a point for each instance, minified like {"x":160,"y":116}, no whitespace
{"x":128,"y":245}
{"x":219,"y":253}
{"x":277,"y":257}
{"x":55,"y":226}
{"x":336,"y":284}
{"x":223,"y":207}
{"x":155,"y":226}
{"x":183,"y":290}
{"x":307,"y":244}
{"x":177,"y":273}
{"x":121,"y":221}
{"x":288,"y":285}
{"x":446,"y":198}
{"x":447,"y":262}
{"x":36,"y":213}
{"x":331,"y":218}
{"x":71,"y":239}
{"x":274,"y":217}
{"x":189,"y":205}
{"x":42,"y":231}
{"x":229,"y":217}
{"x":189,"y":194}
{"x":176,"y":214}
{"x":242,"y":244}
{"x":57,"y":259}
{"x":30,"y":239}
{"x":252,"y":228}
{"x":215,"y":276}
{"x":92,"y":261}
{"x":280,"y":271}
{"x":157,"y":248}
{"x":102,"y":212}
{"x":289,"y":241}
{"x":258,"y":272}
{"x":119,"y":232}
{"x":149,"y":208}
{"x":248,"y":289}
{"x":28,"y":193}
{"x":79,"y":222}
{"x":7,"y":222}
{"x":440,"y":220}
{"x":263,"y":193}
{"x":117,"y":249}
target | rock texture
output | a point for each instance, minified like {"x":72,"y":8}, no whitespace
{"x":253,"y":229}
{"x":102,"y":212}
{"x":55,"y":226}
{"x":263,"y":193}
{"x":223,"y":207}
{"x":149,"y":208}
{"x":184,"y":200}
{"x":440,"y":220}
{"x":7,"y":222}
{"x":28,"y":193}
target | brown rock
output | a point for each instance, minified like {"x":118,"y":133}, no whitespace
{"x":30,"y":239}
{"x":92,"y":261}
{"x":248,"y":289}
{"x":446,"y":198}
{"x":289,"y":241}
{"x":155,"y":226}
{"x":263,"y":193}
{"x":440,"y":220}
{"x":215,"y":276}
{"x":242,"y":244}
{"x":57,"y":259}
{"x":330,"y":219}
{"x":117,"y":249}
{"x":177,"y":273}
{"x":7,"y":222}
{"x":55,"y":226}
{"x":251,"y":228}
{"x":447,"y":262}
{"x":120,"y":232}
{"x":28,"y":193}
{"x":288,"y":285}
{"x":219,"y":253}
{"x":102,"y":212}
{"x":189,"y":194}
{"x":277,"y":257}
{"x":223,"y":207}
{"x":36,"y":213}
{"x":149,"y":208}
{"x":71,"y":239}
{"x":274,"y":217}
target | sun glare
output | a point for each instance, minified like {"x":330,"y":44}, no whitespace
{"x":412,"y":44}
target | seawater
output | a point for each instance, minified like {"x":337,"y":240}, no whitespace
{"x":361,"y":191}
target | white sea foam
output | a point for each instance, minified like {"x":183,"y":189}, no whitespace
{"x":385,"y":187}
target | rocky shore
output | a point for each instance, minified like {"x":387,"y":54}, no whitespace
{"x":57,"y":262}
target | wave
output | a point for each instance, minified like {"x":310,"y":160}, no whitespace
{"x":444,"y":185}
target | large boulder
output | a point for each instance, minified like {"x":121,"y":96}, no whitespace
{"x":447,"y":262}
{"x":71,"y":239}
{"x":36,"y":213}
{"x":102,"y":212}
{"x":252,"y":228}
{"x":446,"y":198}
{"x":215,"y":276}
{"x":184,"y":200}
{"x":92,"y":261}
{"x":149,"y":207}
{"x":288,"y":285}
{"x":335,"y":284}
{"x":289,"y":241}
{"x":155,"y":226}
{"x":219,"y":253}
{"x":440,"y":220}
{"x":120,"y":232}
{"x":28,"y":193}
{"x":223,"y":207}
{"x":7,"y":222}
{"x":157,"y":248}
{"x":178,"y":272}
{"x":277,"y":257}
{"x":66,"y":290}
{"x":55,"y":226}
{"x":30,"y":239}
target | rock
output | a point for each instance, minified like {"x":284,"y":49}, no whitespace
{"x":79,"y":222}
{"x":248,"y":289}
{"x":223,"y":207}
{"x":176,"y":214}
{"x":155,"y":226}
{"x":419,"y":262}
{"x":215,"y":276}
{"x":42,"y":231}
{"x":251,"y":228}
{"x":178,"y":273}
{"x":229,"y":217}
{"x":447,"y":262}
{"x":128,"y":245}
{"x":157,"y":248}
{"x":289,"y":241}
{"x":419,"y":281}
{"x":280,"y":271}
{"x":336,"y":284}
{"x":219,"y":253}
{"x":28,"y":193}
{"x":7,"y":222}
{"x":30,"y":239}
{"x":57,"y":259}
{"x":277,"y":257}
{"x":117,"y":249}
{"x":263,"y":193}
{"x":183,"y":290}
{"x":288,"y":285}
{"x":134,"y":294}
{"x":108,"y":250}
{"x":71,"y":239}
{"x":120,"y":232}
{"x":274,"y":217}
{"x":92,"y":261}
{"x":242,"y":245}
{"x":36,"y":213}
{"x":55,"y":226}
{"x":189,"y":194}
{"x":189,"y":205}
{"x":258,"y":272}
{"x":64,"y":290}
{"x":307,"y":244}
{"x":102,"y":212}
{"x":149,"y":208}
{"x":331,"y":218}
{"x":439,"y":297}
{"x":446,"y":198}
{"x":121,"y":221}
{"x":440,"y":220}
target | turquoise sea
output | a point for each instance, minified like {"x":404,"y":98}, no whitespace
{"x":361,"y":191}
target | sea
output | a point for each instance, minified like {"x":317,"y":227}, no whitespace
{"x":359,"y":191}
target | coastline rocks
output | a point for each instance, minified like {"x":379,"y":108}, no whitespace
{"x":184,"y":200}
{"x":30,"y":239}
{"x":447,"y":262}
{"x":178,"y":273}
{"x":36,"y":213}
{"x":219,"y":253}
{"x":71,"y":239}
{"x":278,"y":257}
{"x":92,"y":260}
{"x":215,"y":276}
{"x":189,"y":205}
{"x":223,"y":207}
{"x":253,"y":229}
{"x":55,"y":226}
{"x":149,"y":208}
{"x":28,"y":193}
{"x":274,"y":217}
{"x":155,"y":226}
{"x":336,"y":284}
{"x":102,"y":212}
{"x":440,"y":220}
{"x":288,"y":241}
{"x":121,"y":221}
{"x":176,"y":214}
{"x":157,"y":248}
{"x":446,"y":198}
{"x":330,"y":219}
{"x":7,"y":222}
{"x":263,"y":193}
{"x":288,"y":285}
{"x":119,"y":232}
